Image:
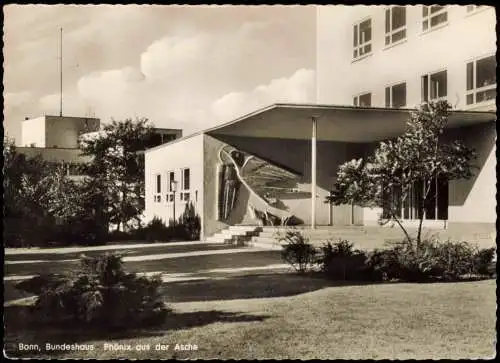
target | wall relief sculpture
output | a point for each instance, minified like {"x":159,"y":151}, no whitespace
{"x":266,"y":181}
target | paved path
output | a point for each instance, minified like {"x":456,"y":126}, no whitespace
{"x":200,"y":262}
{"x":154,"y":257}
{"x":65,"y":250}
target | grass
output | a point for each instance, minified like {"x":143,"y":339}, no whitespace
{"x":395,"y":321}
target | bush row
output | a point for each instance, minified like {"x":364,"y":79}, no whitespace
{"x":45,"y":232}
{"x":187,"y":228}
{"x":431,"y":260}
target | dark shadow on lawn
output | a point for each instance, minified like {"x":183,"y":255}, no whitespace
{"x":249,"y":287}
{"x":267,"y":285}
{"x":21,"y":326}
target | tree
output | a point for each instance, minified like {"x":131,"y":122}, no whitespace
{"x":116,"y":169}
{"x":418,"y":157}
{"x":26,"y":182}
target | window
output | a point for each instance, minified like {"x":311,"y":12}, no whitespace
{"x":157,"y":195}
{"x":364,"y":100}
{"x":185,"y":184}
{"x":434,"y":86}
{"x":481,"y":80}
{"x":433,"y":16}
{"x":435,"y":208}
{"x":395,"y":24}
{"x":169,"y":198}
{"x":395,"y":96}
{"x":362,"y":38}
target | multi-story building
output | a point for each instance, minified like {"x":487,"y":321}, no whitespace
{"x":56,"y":138}
{"x":374,"y":63}
{"x":400,"y":56}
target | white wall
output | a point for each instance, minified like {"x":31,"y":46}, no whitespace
{"x":465,"y":37}
{"x":33,"y":132}
{"x":480,"y":205}
{"x":474,"y":200}
{"x":177,"y":155}
{"x":63,"y":132}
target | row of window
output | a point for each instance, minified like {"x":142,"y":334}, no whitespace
{"x":435,"y":208}
{"x":480,"y":86}
{"x":395,"y":26}
{"x":171,"y":187}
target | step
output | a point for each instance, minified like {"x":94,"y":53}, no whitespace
{"x":241,"y":236}
{"x":338,"y":234}
{"x":315,"y":234}
{"x":269,"y":246}
{"x":228,"y":233}
{"x":263,"y":239}
{"x":236,"y":232}
{"x":218,"y":239}
{"x":243,"y":228}
{"x":308,"y":229}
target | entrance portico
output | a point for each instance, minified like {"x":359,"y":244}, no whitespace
{"x":326,"y":123}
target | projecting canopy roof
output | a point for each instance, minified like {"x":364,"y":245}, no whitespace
{"x":335,"y":123}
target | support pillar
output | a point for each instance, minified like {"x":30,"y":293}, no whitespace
{"x":313,"y":172}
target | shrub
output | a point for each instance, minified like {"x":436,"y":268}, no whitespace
{"x":340,"y":261}
{"x":431,"y":260}
{"x":403,"y":261}
{"x":191,"y":224}
{"x":100,"y":294}
{"x":121,"y":235}
{"x":156,"y":230}
{"x":385,"y":262}
{"x":79,"y":230}
{"x":453,"y":260}
{"x":297,"y":251}
{"x":484,"y":262}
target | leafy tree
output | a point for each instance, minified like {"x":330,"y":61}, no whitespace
{"x":116,"y":170}
{"x":418,"y":156}
{"x":26,"y":182}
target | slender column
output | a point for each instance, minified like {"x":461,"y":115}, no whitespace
{"x":313,"y":172}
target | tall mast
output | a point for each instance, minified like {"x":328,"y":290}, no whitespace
{"x":61,"y":75}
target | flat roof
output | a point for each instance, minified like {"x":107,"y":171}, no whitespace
{"x":64,"y":116}
{"x":334,"y":122}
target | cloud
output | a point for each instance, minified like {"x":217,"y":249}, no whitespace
{"x":182,"y":80}
{"x":298,"y":88}
{"x":16,"y":99}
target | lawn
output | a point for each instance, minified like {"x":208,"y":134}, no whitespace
{"x":305,"y":318}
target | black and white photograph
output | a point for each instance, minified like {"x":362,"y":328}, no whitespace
{"x":191,"y":182}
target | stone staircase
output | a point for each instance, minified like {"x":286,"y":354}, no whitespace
{"x":237,"y":235}
{"x":366,"y":237}
{"x":363,"y":237}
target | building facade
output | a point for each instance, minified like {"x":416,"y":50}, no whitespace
{"x":57,"y":139}
{"x":56,"y":131}
{"x":374,"y":63}
{"x":401,"y":56}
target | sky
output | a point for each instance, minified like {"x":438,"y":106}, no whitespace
{"x":188,"y":67}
